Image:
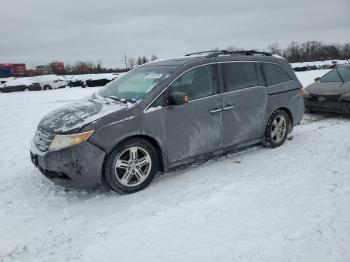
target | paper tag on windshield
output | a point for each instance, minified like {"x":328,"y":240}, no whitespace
{"x":153,"y":76}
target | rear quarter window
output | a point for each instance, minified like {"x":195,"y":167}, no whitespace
{"x":239,"y":75}
{"x":275,"y":74}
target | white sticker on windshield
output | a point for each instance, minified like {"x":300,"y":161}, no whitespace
{"x":153,"y":76}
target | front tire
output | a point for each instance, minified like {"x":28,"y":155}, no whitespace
{"x":47,"y":87}
{"x":277,"y":129}
{"x":131,"y":166}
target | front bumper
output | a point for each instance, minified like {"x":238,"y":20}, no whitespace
{"x":79,"y":166}
{"x":327,"y":106}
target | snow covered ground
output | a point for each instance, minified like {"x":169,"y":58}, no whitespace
{"x":286,"y":204}
{"x":320,"y":63}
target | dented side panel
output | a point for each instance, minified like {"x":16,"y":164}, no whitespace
{"x":244,"y":121}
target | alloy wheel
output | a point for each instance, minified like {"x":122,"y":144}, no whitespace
{"x":133,"y":166}
{"x":278,"y":129}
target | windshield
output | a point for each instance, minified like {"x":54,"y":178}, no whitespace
{"x":344,"y":72}
{"x":137,"y":83}
{"x":339,"y":74}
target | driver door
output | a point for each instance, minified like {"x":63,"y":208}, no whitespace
{"x":194,"y":128}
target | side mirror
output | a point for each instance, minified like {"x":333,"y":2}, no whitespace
{"x":317,"y":79}
{"x":177,"y":98}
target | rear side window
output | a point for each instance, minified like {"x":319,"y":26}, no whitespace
{"x":239,"y":75}
{"x":274,"y":74}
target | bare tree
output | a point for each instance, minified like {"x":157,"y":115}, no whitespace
{"x":144,"y":60}
{"x":275,"y":48}
{"x":131,"y":62}
{"x":233,"y":48}
{"x":154,"y":57}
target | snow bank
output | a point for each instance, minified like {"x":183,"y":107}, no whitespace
{"x":320,"y":63}
{"x":19,"y":82}
{"x":109,"y":76}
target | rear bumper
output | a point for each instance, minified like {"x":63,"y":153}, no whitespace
{"x":326,"y":106}
{"x":78,"y":166}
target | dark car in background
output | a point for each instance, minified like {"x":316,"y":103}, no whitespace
{"x":99,"y":80}
{"x":168,"y":113}
{"x":330,"y":93}
{"x":20,"y":84}
{"x":91,"y":80}
{"x":301,"y":69}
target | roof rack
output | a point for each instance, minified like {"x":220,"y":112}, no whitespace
{"x":216,"y":53}
{"x":205,"y":52}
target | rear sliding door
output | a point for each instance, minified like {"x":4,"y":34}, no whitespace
{"x":244,"y":102}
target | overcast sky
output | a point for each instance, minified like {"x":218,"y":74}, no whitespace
{"x":39,"y":31}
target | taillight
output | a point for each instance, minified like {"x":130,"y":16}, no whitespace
{"x":301,"y":89}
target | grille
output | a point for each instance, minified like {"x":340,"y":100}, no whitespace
{"x":42,"y":139}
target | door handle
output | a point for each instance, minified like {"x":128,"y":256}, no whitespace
{"x":228,"y":107}
{"x":215,"y":110}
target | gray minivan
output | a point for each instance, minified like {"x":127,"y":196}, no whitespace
{"x":168,"y":113}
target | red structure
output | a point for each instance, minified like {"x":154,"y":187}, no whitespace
{"x":57,"y":66}
{"x":16,"y":70}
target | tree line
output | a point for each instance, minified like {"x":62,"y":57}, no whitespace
{"x":140,"y":60}
{"x":311,"y":51}
{"x":307,"y":51}
{"x":89,"y":67}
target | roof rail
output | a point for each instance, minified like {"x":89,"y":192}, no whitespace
{"x":226,"y":52}
{"x":205,"y":52}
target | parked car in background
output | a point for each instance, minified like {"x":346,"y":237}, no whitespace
{"x":99,"y":80}
{"x":77,"y":80}
{"x":313,"y":67}
{"x":301,"y":69}
{"x":18,"y":84}
{"x":330,"y":93}
{"x":48,"y":82}
{"x":168,"y":113}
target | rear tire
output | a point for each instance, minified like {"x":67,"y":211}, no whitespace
{"x":47,"y":87}
{"x":131,"y":166}
{"x":277,"y":129}
{"x":26,"y":89}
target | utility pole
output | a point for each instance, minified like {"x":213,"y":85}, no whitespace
{"x":126,"y":65}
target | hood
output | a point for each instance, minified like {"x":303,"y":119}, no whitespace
{"x":74,"y":116}
{"x":328,"y":88}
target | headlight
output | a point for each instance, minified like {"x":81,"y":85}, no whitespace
{"x":305,"y":93}
{"x":63,"y":141}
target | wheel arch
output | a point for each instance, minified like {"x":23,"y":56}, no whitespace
{"x":149,"y":139}
{"x":287,"y":110}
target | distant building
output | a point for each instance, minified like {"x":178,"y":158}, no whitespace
{"x":16,"y":70}
{"x":44,"y":69}
{"x":54,"y":67}
{"x":57,"y":66}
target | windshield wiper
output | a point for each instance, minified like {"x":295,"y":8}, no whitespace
{"x":123,"y":100}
